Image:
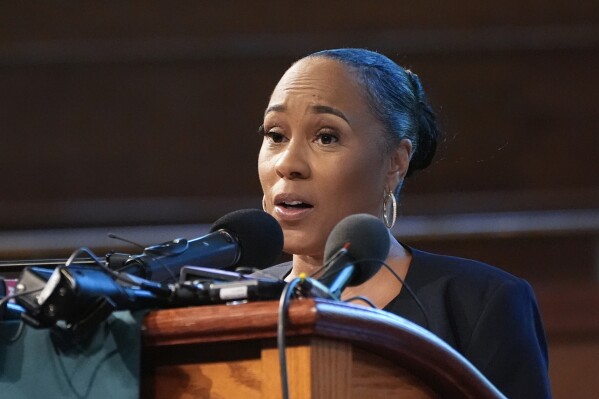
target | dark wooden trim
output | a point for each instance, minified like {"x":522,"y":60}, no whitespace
{"x":293,"y":45}
{"x":570,"y":311}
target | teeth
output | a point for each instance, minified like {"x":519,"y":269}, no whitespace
{"x":292,"y":202}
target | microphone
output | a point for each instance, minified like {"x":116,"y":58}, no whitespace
{"x":355,"y":238}
{"x":248,"y":237}
{"x":82,"y":296}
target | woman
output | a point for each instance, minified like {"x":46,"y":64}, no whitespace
{"x":342,"y":130}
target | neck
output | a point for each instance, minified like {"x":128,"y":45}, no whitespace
{"x":305,"y":264}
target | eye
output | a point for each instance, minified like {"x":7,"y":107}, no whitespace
{"x":327,"y":138}
{"x":275,"y":137}
{"x":271,"y":135}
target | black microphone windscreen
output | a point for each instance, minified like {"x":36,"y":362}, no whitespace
{"x":368,"y":238}
{"x":260,"y":236}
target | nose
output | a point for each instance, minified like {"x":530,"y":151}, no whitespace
{"x":293,"y":162}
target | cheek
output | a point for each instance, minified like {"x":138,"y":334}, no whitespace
{"x":357,"y":186}
{"x":264,"y":169}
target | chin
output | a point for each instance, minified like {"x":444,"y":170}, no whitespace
{"x":300,"y":243}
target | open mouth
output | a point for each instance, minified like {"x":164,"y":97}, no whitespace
{"x":294,"y":205}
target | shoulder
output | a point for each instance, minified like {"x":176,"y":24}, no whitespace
{"x":462,"y":295}
{"x":488,"y":315}
{"x":468,"y":289}
{"x":457,"y":266}
{"x":464,"y":275}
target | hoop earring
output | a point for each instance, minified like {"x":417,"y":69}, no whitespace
{"x":389,"y":212}
{"x":263,"y":204}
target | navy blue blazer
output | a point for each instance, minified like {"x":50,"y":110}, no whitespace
{"x":488,"y":315}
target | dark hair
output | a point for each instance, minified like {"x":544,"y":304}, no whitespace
{"x":397,"y":100}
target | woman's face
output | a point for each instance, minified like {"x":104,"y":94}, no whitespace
{"x":323,"y":155}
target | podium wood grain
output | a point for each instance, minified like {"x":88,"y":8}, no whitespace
{"x":334,"y":351}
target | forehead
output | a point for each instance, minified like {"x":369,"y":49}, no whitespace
{"x":321,"y":81}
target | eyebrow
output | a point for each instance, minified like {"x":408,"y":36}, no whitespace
{"x":324,"y":109}
{"x":275,"y":108}
{"x":317,"y":109}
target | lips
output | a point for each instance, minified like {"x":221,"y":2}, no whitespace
{"x":292,"y":206}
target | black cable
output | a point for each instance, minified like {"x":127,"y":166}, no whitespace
{"x":361,"y":298}
{"x":281,"y":329}
{"x":411,"y":292}
{"x":403,"y":283}
{"x":154,"y":287}
{"x":86,"y":385}
{"x":128,"y":241}
{"x":80,"y":250}
{"x":102,"y":265}
{"x":3,"y":303}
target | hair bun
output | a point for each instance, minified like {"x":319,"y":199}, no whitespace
{"x":427,"y":130}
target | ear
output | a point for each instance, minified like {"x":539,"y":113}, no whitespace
{"x":399,"y":162}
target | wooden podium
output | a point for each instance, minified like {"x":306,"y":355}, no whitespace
{"x":334,"y":350}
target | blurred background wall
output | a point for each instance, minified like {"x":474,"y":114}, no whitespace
{"x":140,"y":118}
